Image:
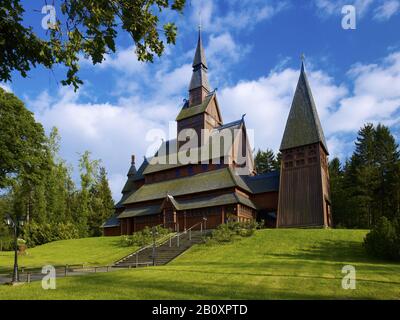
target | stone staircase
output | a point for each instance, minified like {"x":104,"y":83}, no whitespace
{"x":165,"y":252}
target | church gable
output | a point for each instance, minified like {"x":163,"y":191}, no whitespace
{"x":213,"y":117}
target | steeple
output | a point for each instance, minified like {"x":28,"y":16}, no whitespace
{"x":303,"y":126}
{"x":199,"y":87}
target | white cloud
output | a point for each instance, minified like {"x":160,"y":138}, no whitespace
{"x":388,"y":9}
{"x":112,"y":132}
{"x":237,"y":15}
{"x":374,"y":97}
{"x":267,"y":101}
{"x":125,"y":61}
{"x":334,"y":7}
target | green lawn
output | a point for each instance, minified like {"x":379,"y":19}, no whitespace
{"x":273,"y":264}
{"x":89,"y":251}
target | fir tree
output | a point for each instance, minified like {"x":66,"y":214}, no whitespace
{"x":265,"y":161}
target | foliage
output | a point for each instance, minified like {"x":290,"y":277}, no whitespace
{"x":83,"y":28}
{"x":265,"y":161}
{"x":102,"y":203}
{"x":23,"y":152}
{"x":37,"y":183}
{"x":384,"y":239}
{"x":143,"y":237}
{"x":232,"y":230}
{"x":367,"y":186}
{"x":37,"y":234}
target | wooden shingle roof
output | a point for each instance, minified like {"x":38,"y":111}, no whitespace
{"x":187,"y":112}
{"x":303,"y":126}
{"x":202,"y":182}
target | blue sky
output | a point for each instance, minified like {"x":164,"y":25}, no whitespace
{"x":253,"y":49}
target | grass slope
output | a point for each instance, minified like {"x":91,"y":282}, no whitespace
{"x":273,"y":264}
{"x":89,"y":251}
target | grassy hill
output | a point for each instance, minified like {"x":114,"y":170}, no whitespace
{"x":89,"y":251}
{"x":273,"y":264}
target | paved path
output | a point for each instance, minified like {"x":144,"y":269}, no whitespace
{"x":36,"y":275}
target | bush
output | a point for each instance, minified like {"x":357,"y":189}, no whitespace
{"x":231,"y":230}
{"x":143,"y":237}
{"x":36,"y":234}
{"x":383,"y":241}
{"x":6,"y":244}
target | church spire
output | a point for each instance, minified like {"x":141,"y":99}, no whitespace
{"x":199,"y":86}
{"x":303,"y":126}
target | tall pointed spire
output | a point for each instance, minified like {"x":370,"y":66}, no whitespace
{"x":303,"y":126}
{"x":199,"y":86}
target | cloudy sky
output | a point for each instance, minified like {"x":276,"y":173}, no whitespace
{"x":253,"y":49}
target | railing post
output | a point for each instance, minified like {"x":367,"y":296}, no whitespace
{"x":201,"y":227}
{"x":66,"y":270}
{"x":190,"y":234}
{"x":28,"y":277}
{"x":137,"y":259}
{"x":170,"y":241}
{"x":177,"y":242}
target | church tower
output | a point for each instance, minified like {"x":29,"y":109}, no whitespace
{"x":201,"y":111}
{"x":304,"y":192}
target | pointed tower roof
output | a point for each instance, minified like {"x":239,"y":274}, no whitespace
{"x":199,"y":76}
{"x":303,"y":126}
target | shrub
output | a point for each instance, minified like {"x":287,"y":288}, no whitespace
{"x":143,"y":237}
{"x":383,"y":241}
{"x":233,"y":229}
{"x":37,"y":234}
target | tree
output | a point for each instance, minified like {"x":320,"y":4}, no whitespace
{"x":23,"y":150}
{"x":265,"y":161}
{"x":338,"y":195}
{"x":102,"y":203}
{"x":88,"y":169}
{"x":369,"y":184}
{"x":87,"y":28}
{"x":387,"y":162}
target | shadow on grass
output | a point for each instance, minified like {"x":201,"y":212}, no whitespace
{"x":131,"y":287}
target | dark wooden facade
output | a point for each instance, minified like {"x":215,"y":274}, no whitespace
{"x":304,"y":188}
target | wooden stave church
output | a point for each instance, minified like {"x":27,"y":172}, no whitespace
{"x":178,"y":195}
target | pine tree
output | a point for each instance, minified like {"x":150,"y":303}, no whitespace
{"x":387,"y":161}
{"x":338,"y":195}
{"x":265,"y":161}
{"x":102,"y":204}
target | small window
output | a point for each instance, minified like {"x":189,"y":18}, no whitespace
{"x":289,"y":164}
{"x":204,"y":166}
{"x":177,"y":173}
{"x":190,"y":170}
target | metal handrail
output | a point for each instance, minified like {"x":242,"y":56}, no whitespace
{"x":176,"y":235}
{"x":179,"y":234}
{"x":141,"y":249}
